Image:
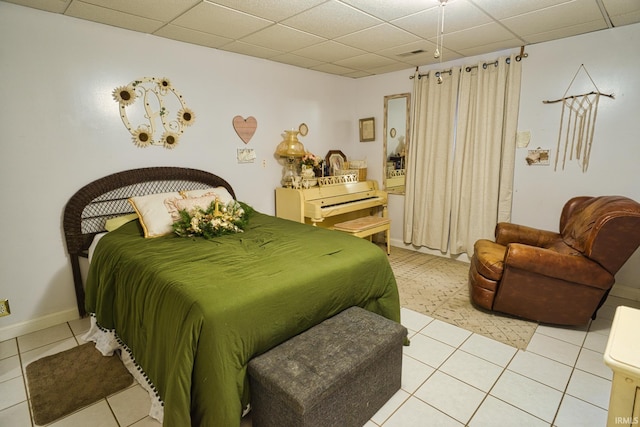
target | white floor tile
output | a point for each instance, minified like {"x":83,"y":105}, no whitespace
{"x":593,"y":362}
{"x":416,"y":413}
{"x":445,"y":332}
{"x":10,"y":368}
{"x":451,"y":396}
{"x":488,"y":349}
{"x":494,"y":412}
{"x":390,"y":407}
{"x":12,"y":392}
{"x":541,"y":369}
{"x":44,"y":337}
{"x":130,"y":405}
{"x":96,"y":415}
{"x":531,"y":396}
{"x":8,"y":348}
{"x":601,"y":325}
{"x":578,"y":413}
{"x":573,"y":335}
{"x":414,"y":373}
{"x":553,"y":348}
{"x":80,"y":326}
{"x":428,"y":350}
{"x":414,"y":320}
{"x":16,"y":416}
{"x":590,"y":388}
{"x":473,"y":370}
{"x":596,"y":342}
{"x":150,"y":422}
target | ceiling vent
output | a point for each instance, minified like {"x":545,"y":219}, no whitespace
{"x":413,"y":52}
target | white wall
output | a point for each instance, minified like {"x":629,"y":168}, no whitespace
{"x":61,"y":129}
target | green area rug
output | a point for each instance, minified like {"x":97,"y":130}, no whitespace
{"x":67,"y":381}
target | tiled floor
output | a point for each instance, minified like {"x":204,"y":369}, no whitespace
{"x":450,"y":377}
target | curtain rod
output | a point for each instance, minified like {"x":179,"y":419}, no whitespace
{"x":471,"y":67}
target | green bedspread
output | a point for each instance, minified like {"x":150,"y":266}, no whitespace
{"x":194,"y":311}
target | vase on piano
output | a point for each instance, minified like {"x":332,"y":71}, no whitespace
{"x":308,"y":176}
{"x":308,"y":172}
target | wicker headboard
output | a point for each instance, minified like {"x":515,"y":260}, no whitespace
{"x":88,"y":209}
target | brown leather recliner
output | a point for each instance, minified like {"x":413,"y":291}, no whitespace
{"x":559,"y":278}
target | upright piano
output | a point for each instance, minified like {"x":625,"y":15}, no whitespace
{"x":327,"y":205}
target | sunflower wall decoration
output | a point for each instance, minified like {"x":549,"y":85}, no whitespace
{"x":159,"y":98}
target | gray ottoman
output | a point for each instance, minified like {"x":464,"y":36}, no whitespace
{"x":338,"y":373}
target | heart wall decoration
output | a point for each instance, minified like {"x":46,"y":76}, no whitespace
{"x":245,"y":128}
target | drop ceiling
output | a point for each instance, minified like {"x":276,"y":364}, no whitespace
{"x":353,"y":38}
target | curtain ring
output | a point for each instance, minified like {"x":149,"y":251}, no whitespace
{"x":484,"y":66}
{"x":467,"y":69}
{"x":518,"y":58}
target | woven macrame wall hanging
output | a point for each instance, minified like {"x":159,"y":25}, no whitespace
{"x":577,"y":123}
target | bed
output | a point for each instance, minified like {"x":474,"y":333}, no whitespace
{"x":192,"y":312}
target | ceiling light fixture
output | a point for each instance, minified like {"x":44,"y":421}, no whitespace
{"x":439,"y":52}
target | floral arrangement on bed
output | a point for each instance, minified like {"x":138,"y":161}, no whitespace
{"x":216,"y":220}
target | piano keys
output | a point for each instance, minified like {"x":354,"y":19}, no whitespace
{"x":330,"y":204}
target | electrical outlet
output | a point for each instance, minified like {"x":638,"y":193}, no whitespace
{"x":4,"y":308}
{"x":264,"y":163}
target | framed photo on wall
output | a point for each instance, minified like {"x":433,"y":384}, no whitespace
{"x":367,"y":129}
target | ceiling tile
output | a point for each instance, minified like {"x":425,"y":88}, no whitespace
{"x":250,"y":49}
{"x":623,"y":12}
{"x":329,"y":51}
{"x":363,"y":62}
{"x":332,"y":69}
{"x":55,"y":6}
{"x":82,"y":10}
{"x":569,"y":14}
{"x":168,"y":9}
{"x":390,"y":10}
{"x":400,"y":52}
{"x":192,"y":36}
{"x":501,"y":9}
{"x":331,"y":19}
{"x":274,"y":10}
{"x":298,"y":61}
{"x":565,"y":32}
{"x":282,"y":38}
{"x":381,"y":36}
{"x":491,"y":47}
{"x":220,"y":20}
{"x":397,"y":66}
{"x":477,"y":36}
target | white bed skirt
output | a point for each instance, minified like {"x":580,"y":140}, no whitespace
{"x":107,"y":343}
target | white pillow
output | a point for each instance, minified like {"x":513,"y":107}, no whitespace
{"x":153,"y":213}
{"x":222,"y":193}
{"x":203,"y":202}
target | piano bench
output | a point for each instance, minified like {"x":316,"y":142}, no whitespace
{"x":366,"y":227}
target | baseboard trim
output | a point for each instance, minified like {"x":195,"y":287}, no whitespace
{"x":425,"y":250}
{"x":33,"y":325}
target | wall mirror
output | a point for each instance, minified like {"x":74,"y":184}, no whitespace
{"x":395,"y":140}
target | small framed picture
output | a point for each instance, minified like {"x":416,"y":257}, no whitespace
{"x":367,"y":129}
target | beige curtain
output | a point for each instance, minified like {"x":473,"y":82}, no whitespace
{"x":464,"y":203}
{"x":430,"y":160}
